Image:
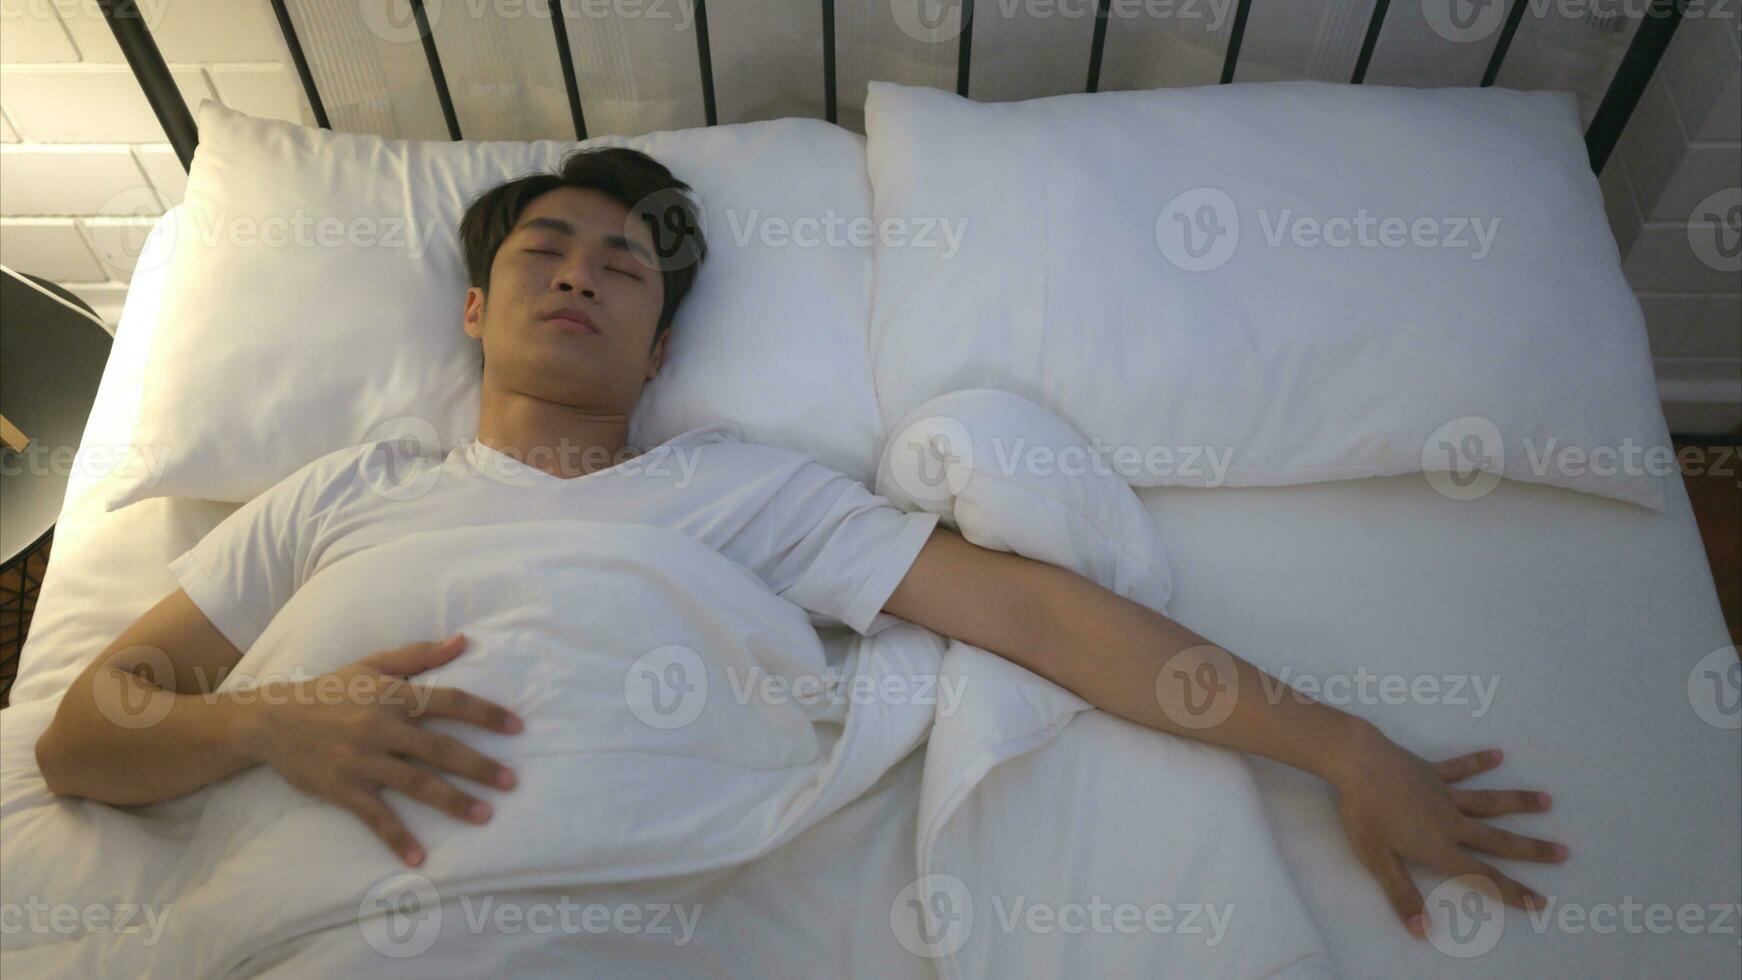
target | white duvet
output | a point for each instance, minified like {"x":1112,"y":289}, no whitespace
{"x":681,"y":718}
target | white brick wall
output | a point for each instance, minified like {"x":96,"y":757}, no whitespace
{"x":84,"y":167}
{"x":1683,"y":145}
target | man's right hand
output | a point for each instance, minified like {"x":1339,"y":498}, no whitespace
{"x":345,"y":749}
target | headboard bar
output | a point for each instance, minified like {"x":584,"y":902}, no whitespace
{"x":1370,"y":41}
{"x":705,"y":58}
{"x":1504,"y":44}
{"x":146,"y":61}
{"x":560,"y":27}
{"x":1232,"y":58}
{"x":297,"y":58}
{"x":440,"y":78}
{"x":1640,"y":62}
{"x":1637,"y":66}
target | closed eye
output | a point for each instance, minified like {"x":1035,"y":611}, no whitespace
{"x":543,"y":251}
{"x":625,"y":272}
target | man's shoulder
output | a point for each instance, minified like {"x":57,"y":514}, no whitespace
{"x":369,"y":462}
{"x":721,"y":449}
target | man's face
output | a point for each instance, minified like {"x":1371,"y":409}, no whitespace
{"x":574,"y":253}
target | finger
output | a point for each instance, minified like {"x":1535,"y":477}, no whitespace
{"x":380,"y":818}
{"x":1464,"y":766}
{"x":1494,"y":802}
{"x":451,"y":754}
{"x":415,"y":658}
{"x":425,"y":786}
{"x":1511,"y":892}
{"x":1400,"y":891}
{"x":1501,"y":843}
{"x":449,"y":702}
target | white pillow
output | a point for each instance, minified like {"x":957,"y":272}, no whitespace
{"x":1012,"y":476}
{"x":316,"y":286}
{"x":1235,"y":360}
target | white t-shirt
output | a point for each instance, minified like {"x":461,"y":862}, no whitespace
{"x":817,"y":537}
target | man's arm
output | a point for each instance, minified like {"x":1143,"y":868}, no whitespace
{"x":133,"y":727}
{"x":141,"y":724}
{"x":1134,"y":662}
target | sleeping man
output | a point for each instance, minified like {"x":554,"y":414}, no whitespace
{"x":574,"y":286}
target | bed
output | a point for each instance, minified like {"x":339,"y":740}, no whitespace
{"x":1591,"y":614}
{"x":1579,"y":632}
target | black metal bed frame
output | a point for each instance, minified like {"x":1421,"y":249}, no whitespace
{"x":1635,"y":71}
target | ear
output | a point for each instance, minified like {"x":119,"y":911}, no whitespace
{"x":474,"y":316}
{"x":656,"y":357}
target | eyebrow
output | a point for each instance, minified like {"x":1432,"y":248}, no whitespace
{"x":617,"y":241}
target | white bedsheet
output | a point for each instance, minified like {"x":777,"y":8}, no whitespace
{"x":1587,"y":615}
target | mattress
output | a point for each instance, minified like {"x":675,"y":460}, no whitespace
{"x":1581,"y":618}
{"x":1585,"y":619}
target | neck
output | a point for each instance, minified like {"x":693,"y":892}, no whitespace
{"x":562,"y":440}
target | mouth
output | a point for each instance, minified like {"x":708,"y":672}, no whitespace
{"x":574,"y":320}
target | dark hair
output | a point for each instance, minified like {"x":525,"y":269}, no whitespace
{"x":630,"y":177}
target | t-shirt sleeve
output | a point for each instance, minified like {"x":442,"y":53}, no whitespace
{"x":826,"y":543}
{"x":243,"y":571}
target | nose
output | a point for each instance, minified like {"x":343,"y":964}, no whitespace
{"x":578,"y":275}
